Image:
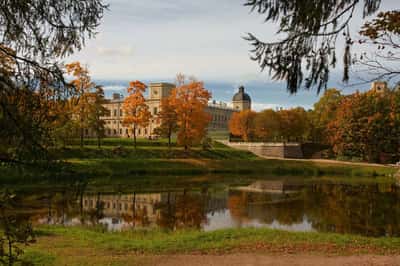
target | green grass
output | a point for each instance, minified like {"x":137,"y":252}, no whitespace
{"x":153,"y":159}
{"x":59,"y":244}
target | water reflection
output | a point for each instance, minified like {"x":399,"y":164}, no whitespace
{"x":372,"y":209}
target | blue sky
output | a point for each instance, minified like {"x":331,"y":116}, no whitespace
{"x":154,"y":40}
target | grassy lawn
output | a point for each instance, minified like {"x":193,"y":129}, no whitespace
{"x":154,"y":159}
{"x":80,"y":246}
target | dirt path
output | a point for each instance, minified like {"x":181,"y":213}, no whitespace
{"x":272,"y":260}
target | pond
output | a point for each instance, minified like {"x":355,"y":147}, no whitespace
{"x":369,"y":209}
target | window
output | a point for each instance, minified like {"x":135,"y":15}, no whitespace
{"x":115,"y":132}
{"x":126,"y":131}
{"x":155,"y":111}
{"x":115,"y":112}
{"x":86,"y":132}
{"x":120,"y":131}
{"x":138,"y":131}
{"x":120,"y":112}
{"x":145,"y":131}
{"x":109,"y":131}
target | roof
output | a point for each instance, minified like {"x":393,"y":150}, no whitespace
{"x":241,"y":95}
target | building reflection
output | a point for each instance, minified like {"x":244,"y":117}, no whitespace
{"x":366,"y":209}
{"x":170,"y":210}
{"x":267,"y":202}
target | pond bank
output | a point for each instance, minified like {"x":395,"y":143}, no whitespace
{"x":77,"y":246}
{"x":155,"y":159}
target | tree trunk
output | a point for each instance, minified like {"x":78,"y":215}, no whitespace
{"x":134,"y":136}
{"x":169,"y":139}
{"x":10,"y":258}
{"x":81,"y":137}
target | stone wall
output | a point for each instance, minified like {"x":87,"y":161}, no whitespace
{"x":279,"y":150}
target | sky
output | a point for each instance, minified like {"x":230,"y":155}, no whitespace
{"x":154,"y":40}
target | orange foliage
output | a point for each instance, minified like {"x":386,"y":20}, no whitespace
{"x":190,"y":102}
{"x":136,"y":111}
{"x":168,"y":118}
{"x":242,"y":124}
{"x":81,"y":100}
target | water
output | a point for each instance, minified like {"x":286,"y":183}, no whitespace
{"x":364,"y":209}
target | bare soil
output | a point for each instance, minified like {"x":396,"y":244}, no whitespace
{"x":271,"y":260}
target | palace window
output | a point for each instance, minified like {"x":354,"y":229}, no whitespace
{"x":115,"y":112}
{"x":120,"y":112}
{"x":115,"y":132}
{"x":155,"y":111}
{"x":120,"y":131}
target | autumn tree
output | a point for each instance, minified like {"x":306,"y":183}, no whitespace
{"x":190,"y":101}
{"x":366,"y":127}
{"x":97,"y":111}
{"x":323,"y":113}
{"x":242,"y":124}
{"x":308,"y":32}
{"x":81,"y":100}
{"x":136,"y":111}
{"x":294,"y":124}
{"x":168,"y":118}
{"x":35,"y":35}
{"x":267,"y":125}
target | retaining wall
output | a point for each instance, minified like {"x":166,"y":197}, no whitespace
{"x":279,"y":150}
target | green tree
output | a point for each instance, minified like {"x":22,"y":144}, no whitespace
{"x":97,"y":111}
{"x":323,"y":113}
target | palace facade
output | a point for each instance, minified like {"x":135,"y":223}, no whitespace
{"x":219,"y":111}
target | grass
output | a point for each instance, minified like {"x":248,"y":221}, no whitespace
{"x":64,"y":246}
{"x":154,"y":159}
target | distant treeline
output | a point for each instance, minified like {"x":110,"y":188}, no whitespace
{"x":361,"y":126}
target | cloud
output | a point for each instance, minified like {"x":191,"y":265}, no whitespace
{"x":262,"y":106}
{"x":119,"y":51}
{"x":114,"y":88}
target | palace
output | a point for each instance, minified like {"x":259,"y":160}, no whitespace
{"x":220,"y":112}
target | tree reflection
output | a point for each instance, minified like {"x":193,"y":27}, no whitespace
{"x":183,"y":211}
